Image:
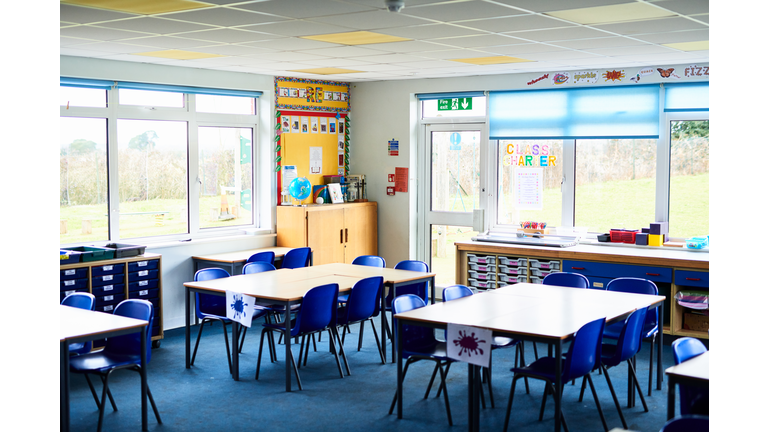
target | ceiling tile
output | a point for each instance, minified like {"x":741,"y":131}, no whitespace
{"x":452,"y":54}
{"x":234,"y":50}
{"x":554,"y":5}
{"x":154,"y":25}
{"x":405,"y":47}
{"x":478,"y":41}
{"x":170,"y":42}
{"x":516,"y":23}
{"x":344,"y":51}
{"x":632,"y":50}
{"x":371,"y":20}
{"x":114,"y":47}
{"x":307,"y":9}
{"x":298,"y":28}
{"x":390,"y":58}
{"x":685,"y":7}
{"x":611,"y":14}
{"x":559,"y":55}
{"x":142,"y":7}
{"x":98,"y":33}
{"x":608,"y":42}
{"x":290,"y":57}
{"x":84,"y":15}
{"x":473,"y":9}
{"x":652,"y":26}
{"x":338,"y":62}
{"x":227,"y":35}
{"x":560,"y":34}
{"x":431,"y":31}
{"x":675,"y":37}
{"x":222,"y":16}
{"x":521,"y":50}
{"x":291,"y":44}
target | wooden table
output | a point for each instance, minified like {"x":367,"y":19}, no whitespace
{"x":692,"y":372}
{"x":534,"y":312}
{"x":80,"y":325}
{"x":392,"y":280}
{"x":284,"y":286}
{"x":234,"y":261}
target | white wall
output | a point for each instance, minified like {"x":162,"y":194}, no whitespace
{"x":384,"y":110}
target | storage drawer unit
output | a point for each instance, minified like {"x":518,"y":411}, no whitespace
{"x":685,"y":321}
{"x":114,"y":280}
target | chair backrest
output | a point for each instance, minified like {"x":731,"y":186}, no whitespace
{"x":456,"y":291}
{"x":296,"y":258}
{"x":630,"y":338}
{"x":80,"y":300}
{"x":415,"y":338}
{"x":584,"y":352}
{"x":687,"y":423}
{"x":257,"y":267}
{"x":267,"y":256}
{"x":420,"y":288}
{"x":318,"y":309}
{"x":130,"y":344}
{"x":370,"y":261}
{"x":363,"y":299}
{"x":638,"y":286}
{"x":686,"y":348}
{"x":209,"y":303}
{"x":566,"y":279}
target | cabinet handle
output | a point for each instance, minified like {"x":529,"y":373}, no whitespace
{"x":652,"y":274}
{"x":341,"y":236}
{"x":693,"y":279}
{"x":577,"y":268}
{"x":346,"y":235}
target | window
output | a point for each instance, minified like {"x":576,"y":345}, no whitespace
{"x":689,"y":178}
{"x":128,"y":172}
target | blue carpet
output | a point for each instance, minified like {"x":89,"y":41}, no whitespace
{"x":205,"y":397}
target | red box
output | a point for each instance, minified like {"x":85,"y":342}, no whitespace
{"x":623,"y":236}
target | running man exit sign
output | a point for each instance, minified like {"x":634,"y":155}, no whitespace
{"x":455,"y":104}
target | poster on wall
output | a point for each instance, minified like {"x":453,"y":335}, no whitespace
{"x":305,"y":125}
{"x":285,"y":123}
{"x":332,"y":125}
{"x":315,"y":160}
{"x":323,"y":125}
{"x":529,"y":188}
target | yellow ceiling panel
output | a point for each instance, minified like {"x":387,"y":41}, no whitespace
{"x":356,"y":38}
{"x":327,"y":71}
{"x":178,"y":54}
{"x":689,"y":46}
{"x":142,"y":7}
{"x":491,"y":60}
{"x":612,"y":14}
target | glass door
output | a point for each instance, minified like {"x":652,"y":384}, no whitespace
{"x":455,"y":188}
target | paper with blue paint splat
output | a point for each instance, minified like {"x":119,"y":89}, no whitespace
{"x":240,"y":308}
{"x":469,"y":344}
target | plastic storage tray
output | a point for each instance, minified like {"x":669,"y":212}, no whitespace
{"x":75,"y":273}
{"x":482,"y":275}
{"x":142,"y":285}
{"x":513,"y":270}
{"x":482,"y":267}
{"x":540,"y":272}
{"x":508,"y":261}
{"x":109,"y":269}
{"x":509,"y":279}
{"x":551,"y":265}
{"x":69,"y":257}
{"x":482,"y":284}
{"x":109,"y":289}
{"x":92,"y":253}
{"x":481,"y":259}
{"x":126,"y":250}
{"x":142,"y":265}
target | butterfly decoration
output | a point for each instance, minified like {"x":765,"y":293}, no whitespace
{"x":665,"y":73}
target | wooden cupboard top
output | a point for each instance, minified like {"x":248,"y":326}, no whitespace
{"x":241,"y":256}
{"x":322,"y":207}
{"x":658,"y":256}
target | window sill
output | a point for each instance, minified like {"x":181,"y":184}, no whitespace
{"x":216,"y":239}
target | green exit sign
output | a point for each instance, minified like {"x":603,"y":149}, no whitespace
{"x":455,"y":104}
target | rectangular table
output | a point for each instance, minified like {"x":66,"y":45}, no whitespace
{"x":80,"y":325}
{"x":692,"y":372}
{"x":233,"y":261}
{"x":534,"y":312}
{"x":284,"y":287}
{"x":392,"y":280}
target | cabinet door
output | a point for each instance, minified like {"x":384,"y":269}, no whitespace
{"x":325,"y":232}
{"x":361,"y":232}
{"x":291,"y":227}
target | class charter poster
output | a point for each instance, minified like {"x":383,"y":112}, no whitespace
{"x":529,"y":188}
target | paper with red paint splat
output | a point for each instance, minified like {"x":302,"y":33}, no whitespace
{"x":469,"y":344}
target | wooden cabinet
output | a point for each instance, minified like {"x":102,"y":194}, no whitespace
{"x":337,"y":233}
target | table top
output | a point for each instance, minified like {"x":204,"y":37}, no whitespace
{"x":546,"y":311}
{"x":696,"y":369}
{"x":76,"y":323}
{"x":390,"y":275}
{"x":277,"y":285}
{"x":243,"y":255}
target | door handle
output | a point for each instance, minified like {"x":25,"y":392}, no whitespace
{"x":346,"y":235}
{"x":341,"y":236}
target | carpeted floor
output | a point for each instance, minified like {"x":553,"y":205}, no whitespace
{"x":205,"y":397}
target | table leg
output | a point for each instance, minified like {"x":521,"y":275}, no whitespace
{"x":475,"y":387}
{"x":144,"y":379}
{"x":671,"y":398}
{"x":659,"y":375}
{"x":64,"y":386}
{"x":383,"y":327}
{"x":558,"y":383}
{"x":398,"y":346}
{"x":287,"y":339}
{"x":186,"y":326}
{"x":235,"y":351}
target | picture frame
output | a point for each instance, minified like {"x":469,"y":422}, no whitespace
{"x":334,"y":190}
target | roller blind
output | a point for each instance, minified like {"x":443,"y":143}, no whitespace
{"x":686,"y":97}
{"x":603,"y":112}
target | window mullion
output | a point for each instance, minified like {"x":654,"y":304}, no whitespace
{"x":568,"y":185}
{"x":193,"y":171}
{"x":112,"y":164}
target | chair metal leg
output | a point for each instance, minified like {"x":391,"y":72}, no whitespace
{"x":258,"y":358}
{"x":445,"y":393}
{"x":650,"y":365}
{"x":295,"y":370}
{"x":637,"y":385}
{"x":93,"y":390}
{"x":109,"y":395}
{"x":335,"y":331}
{"x":103,"y":401}
{"x":360,"y":337}
{"x":394,"y":399}
{"x":378,"y":345}
{"x":597,"y":402}
{"x":509,"y":404}
{"x":613,"y":394}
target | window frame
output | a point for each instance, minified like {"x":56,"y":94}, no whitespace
{"x":114,"y":111}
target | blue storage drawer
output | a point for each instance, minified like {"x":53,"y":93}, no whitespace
{"x":607,"y":270}
{"x":75,"y":273}
{"x":111,"y":299}
{"x":146,"y":294}
{"x":109,"y":289}
{"x":142,"y":265}
{"x":73,"y":284}
{"x":692,"y":278}
{"x":142,"y":284}
{"x":107,"y":269}
{"x":107,"y":280}
{"x":68,"y":292}
{"x":143,"y":275}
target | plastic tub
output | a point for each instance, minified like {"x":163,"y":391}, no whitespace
{"x":69,"y":257}
{"x":482,"y":267}
{"x":125,"y":250}
{"x":482,"y":275}
{"x":92,"y":253}
{"x":551,"y":265}
{"x":513,"y":262}
{"x":481,"y":259}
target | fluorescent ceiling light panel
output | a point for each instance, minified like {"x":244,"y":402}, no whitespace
{"x":689,"y":46}
{"x":327,"y":71}
{"x":611,"y":14}
{"x":178,"y":54}
{"x":356,"y":38}
{"x":143,"y":7}
{"x":491,"y":60}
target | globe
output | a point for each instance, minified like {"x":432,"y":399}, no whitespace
{"x":300,"y":188}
